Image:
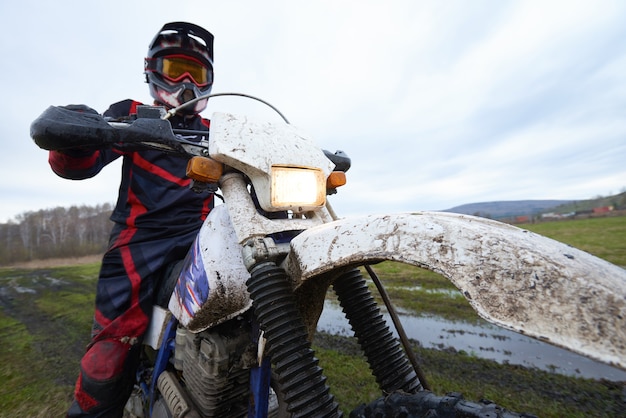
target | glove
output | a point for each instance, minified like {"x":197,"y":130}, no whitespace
{"x":78,"y":152}
{"x":62,"y":128}
{"x":80,"y":108}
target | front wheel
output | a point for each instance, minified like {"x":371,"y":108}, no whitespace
{"x":427,"y":404}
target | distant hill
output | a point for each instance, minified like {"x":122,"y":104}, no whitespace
{"x":617,"y":201}
{"x":511,"y":209}
{"x":508,"y":209}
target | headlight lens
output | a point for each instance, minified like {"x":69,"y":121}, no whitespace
{"x":294,"y":187}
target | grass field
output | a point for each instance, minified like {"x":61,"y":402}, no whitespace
{"x":602,"y":237}
{"x":45,"y":319}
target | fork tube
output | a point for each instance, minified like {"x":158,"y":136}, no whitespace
{"x":388,"y":362}
{"x":299,"y":377}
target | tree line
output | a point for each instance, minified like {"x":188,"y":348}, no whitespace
{"x":56,"y":233}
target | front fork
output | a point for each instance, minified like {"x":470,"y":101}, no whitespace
{"x":299,"y":378}
{"x":296,"y":370}
{"x":389,"y":364}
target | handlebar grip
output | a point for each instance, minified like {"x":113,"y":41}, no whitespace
{"x":340,"y":159}
{"x":58,"y":128}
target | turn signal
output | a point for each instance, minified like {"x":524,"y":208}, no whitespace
{"x":204,"y":169}
{"x":336,"y":179}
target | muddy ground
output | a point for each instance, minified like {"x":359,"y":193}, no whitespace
{"x":55,"y":339}
{"x":54,"y":262}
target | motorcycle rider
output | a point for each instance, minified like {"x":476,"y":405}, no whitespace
{"x":156,"y":218}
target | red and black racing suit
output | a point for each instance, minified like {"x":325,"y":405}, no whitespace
{"x":156,"y":218}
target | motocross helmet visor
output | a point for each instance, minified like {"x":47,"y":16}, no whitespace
{"x":176,"y":67}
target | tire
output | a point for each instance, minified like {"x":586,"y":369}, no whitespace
{"x":426,"y":404}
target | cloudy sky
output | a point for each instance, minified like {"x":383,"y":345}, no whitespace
{"x":438,"y":103}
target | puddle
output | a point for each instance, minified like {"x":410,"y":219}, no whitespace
{"x":20,"y":289}
{"x":29,"y":284}
{"x":448,"y":292}
{"x":485,"y":341}
{"x":12,"y":287}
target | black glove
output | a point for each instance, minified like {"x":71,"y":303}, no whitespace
{"x":78,"y":152}
{"x":72,"y":127}
{"x":80,"y":108}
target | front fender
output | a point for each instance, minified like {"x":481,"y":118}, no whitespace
{"x":512,"y":277}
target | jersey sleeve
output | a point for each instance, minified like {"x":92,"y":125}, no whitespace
{"x":80,"y":164}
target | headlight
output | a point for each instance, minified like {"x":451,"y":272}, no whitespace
{"x":294,"y":187}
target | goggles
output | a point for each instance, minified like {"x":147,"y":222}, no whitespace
{"x":176,"y":67}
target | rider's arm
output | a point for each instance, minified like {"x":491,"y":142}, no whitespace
{"x":80,"y":164}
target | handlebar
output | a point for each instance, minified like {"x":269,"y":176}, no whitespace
{"x":59,"y":129}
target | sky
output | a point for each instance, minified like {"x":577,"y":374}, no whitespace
{"x":438,"y":103}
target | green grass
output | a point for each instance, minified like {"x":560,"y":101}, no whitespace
{"x":404,"y":275}
{"x":82,"y":275}
{"x":421,"y":292}
{"x":602,"y":237}
{"x":349,"y":377}
{"x":26,"y":389}
{"x":44,"y":328}
{"x":452,"y":306}
{"x":67,"y":307}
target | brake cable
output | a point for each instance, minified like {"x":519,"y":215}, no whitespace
{"x":399,"y":328}
{"x":173,"y":111}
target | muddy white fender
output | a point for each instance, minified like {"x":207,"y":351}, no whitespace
{"x":512,"y":277}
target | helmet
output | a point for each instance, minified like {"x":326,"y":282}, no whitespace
{"x":179,"y":65}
